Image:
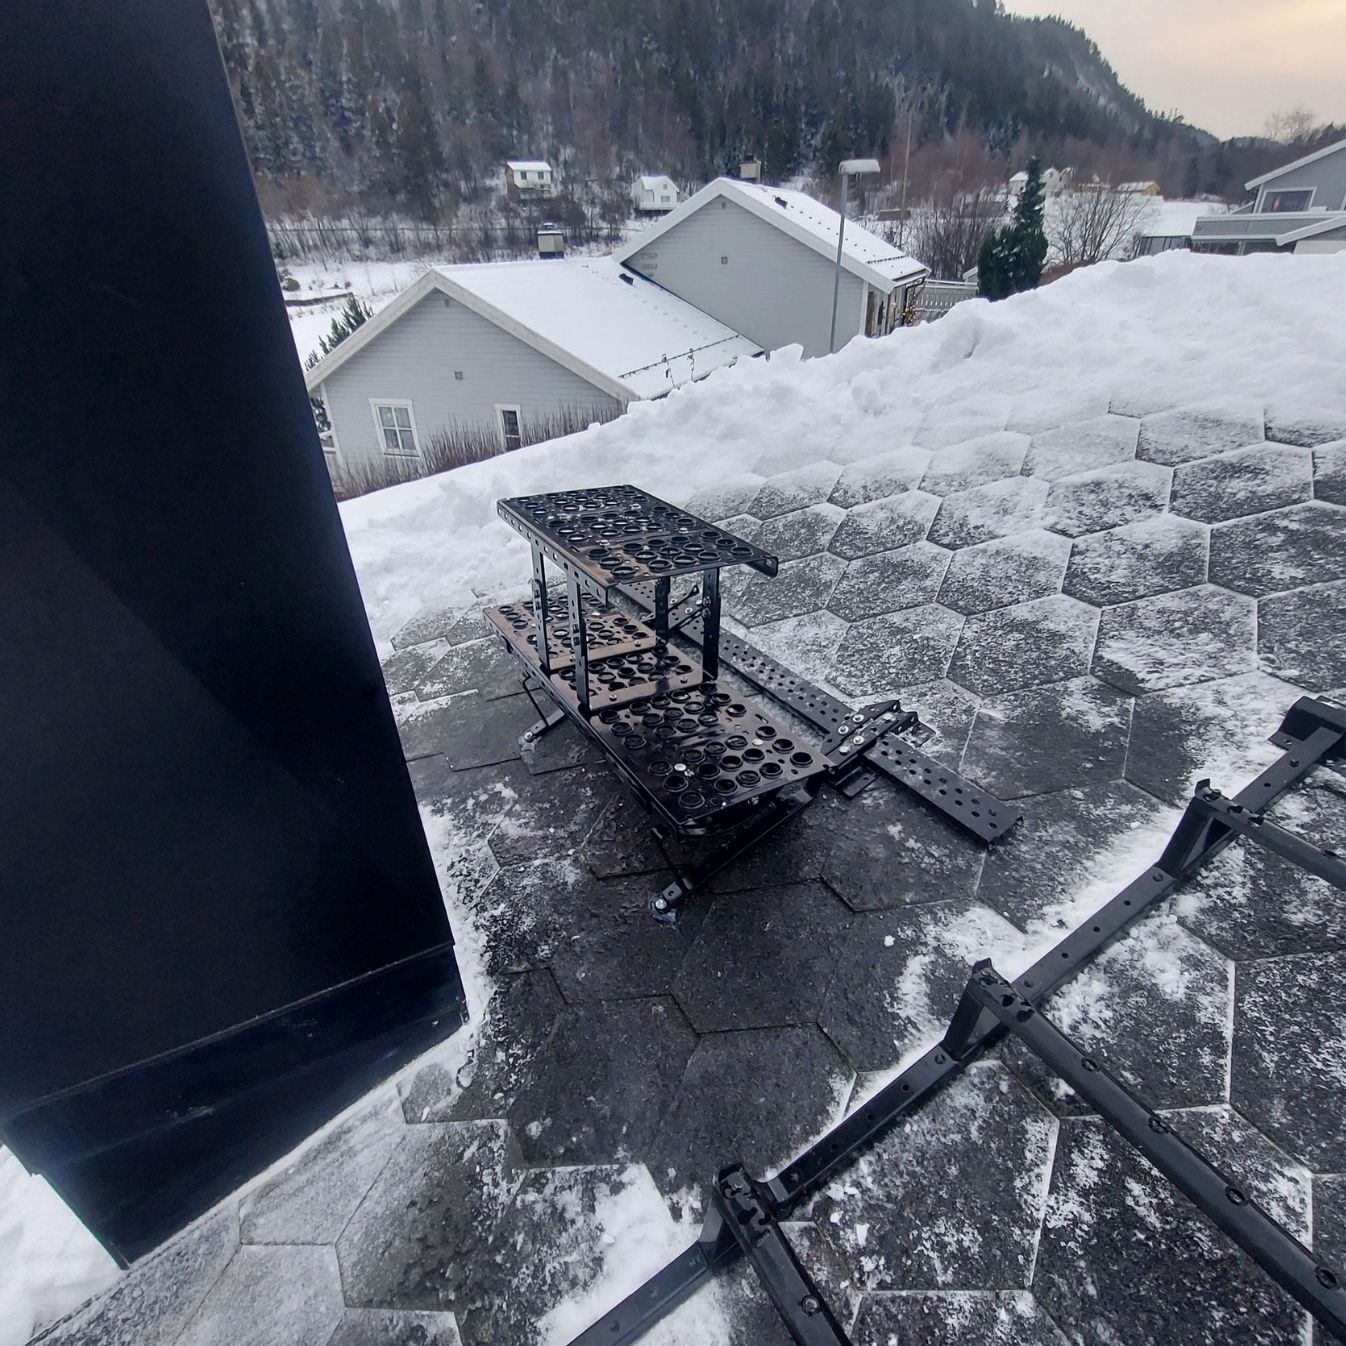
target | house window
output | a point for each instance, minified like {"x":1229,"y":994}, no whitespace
{"x":396,"y":427}
{"x":1278,"y":203}
{"x":511,"y":432}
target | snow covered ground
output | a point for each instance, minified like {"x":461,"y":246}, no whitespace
{"x":1173,"y":330}
{"x":1162,"y":331}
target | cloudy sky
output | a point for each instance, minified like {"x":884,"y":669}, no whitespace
{"x":1224,"y":64}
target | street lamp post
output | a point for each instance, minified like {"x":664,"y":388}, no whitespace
{"x":849,"y":168}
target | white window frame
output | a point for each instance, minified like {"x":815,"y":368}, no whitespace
{"x":374,"y":404}
{"x":500,"y":422}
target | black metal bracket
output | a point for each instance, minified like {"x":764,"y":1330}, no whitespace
{"x":748,"y":1212}
{"x":1312,"y":733}
{"x":1218,"y":1196}
{"x":771,"y":813}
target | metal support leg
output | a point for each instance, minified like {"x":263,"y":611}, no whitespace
{"x":778,"y":809}
{"x":579,"y":641}
{"x":1210,"y":816}
{"x":659,"y":614}
{"x":1287,"y":1261}
{"x":710,"y":624}
{"x":748,"y":1212}
{"x":540,"y":614}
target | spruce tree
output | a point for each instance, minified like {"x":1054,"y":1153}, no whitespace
{"x":1011,"y":258}
{"x":1030,"y":237}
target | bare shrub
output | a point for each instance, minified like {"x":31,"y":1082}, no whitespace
{"x":457,"y":445}
{"x":1094,"y":223}
{"x":947,"y":234}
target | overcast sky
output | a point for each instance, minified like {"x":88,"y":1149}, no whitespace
{"x":1224,"y":64}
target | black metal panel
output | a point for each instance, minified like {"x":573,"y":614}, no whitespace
{"x":206,"y":814}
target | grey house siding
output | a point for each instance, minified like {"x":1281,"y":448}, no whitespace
{"x":416,"y":359}
{"x":773,"y":289}
{"x":1328,"y":176}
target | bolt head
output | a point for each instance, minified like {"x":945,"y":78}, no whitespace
{"x":809,"y":1304}
{"x":661,"y":904}
{"x":845,"y":747}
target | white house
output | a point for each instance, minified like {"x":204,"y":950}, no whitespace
{"x":1300,"y":207}
{"x":513,"y":349}
{"x":1054,"y":182}
{"x":528,"y":178}
{"x":654,"y":193}
{"x":762,"y":260}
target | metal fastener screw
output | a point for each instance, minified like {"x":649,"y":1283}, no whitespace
{"x":809,"y":1304}
{"x":661,"y":904}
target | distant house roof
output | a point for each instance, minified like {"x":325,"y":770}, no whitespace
{"x":1298,"y":163}
{"x":1173,"y":219}
{"x":651,"y":181}
{"x":622,"y":333}
{"x":866,"y":255}
{"x":528,"y":165}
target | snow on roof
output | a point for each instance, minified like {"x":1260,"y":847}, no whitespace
{"x":866,"y":255}
{"x":652,"y":180}
{"x":1298,"y":163}
{"x":1175,"y":219}
{"x":620,"y":324}
{"x":528,"y":165}
{"x":1263,"y":331}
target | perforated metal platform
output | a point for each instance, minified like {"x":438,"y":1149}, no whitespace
{"x":620,"y":534}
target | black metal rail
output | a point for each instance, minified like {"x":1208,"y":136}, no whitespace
{"x":1218,"y":1196}
{"x":1313,"y":732}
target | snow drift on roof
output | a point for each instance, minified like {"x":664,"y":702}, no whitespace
{"x":620,"y":324}
{"x":528,"y":165}
{"x":1167,"y":331}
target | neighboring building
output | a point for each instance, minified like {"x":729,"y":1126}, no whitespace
{"x":508,"y":346}
{"x":1148,"y":188}
{"x":1298,"y":208}
{"x":655,"y":193}
{"x":527,"y":178}
{"x":1168,"y":226}
{"x":762,"y":260}
{"x":1054,"y":182}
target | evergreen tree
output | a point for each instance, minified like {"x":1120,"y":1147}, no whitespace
{"x":1030,"y":237}
{"x":1011,"y":258}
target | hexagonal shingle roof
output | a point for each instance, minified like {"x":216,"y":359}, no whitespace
{"x":1090,"y":615}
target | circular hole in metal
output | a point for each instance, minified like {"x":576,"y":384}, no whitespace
{"x":749,"y":778}
{"x":724,"y":787}
{"x":753,"y":754}
{"x":784,"y":744}
{"x":801,"y":758}
{"x":771,"y":769}
{"x":693,"y":799}
{"x":659,"y":767}
{"x":729,"y":762}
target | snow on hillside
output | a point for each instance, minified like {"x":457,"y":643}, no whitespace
{"x":1169,"y":330}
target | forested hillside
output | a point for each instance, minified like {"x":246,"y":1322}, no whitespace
{"x":410,"y":104}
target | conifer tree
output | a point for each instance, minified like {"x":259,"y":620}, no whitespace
{"x":1011,"y":258}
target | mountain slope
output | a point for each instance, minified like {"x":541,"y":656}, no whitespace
{"x":413,"y":102}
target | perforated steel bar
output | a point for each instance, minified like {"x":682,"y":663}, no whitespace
{"x":1218,"y":1196}
{"x":1319,"y":732}
{"x":659,"y":613}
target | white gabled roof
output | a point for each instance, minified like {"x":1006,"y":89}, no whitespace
{"x":810,"y":222}
{"x":1298,"y":163}
{"x":528,"y":165}
{"x":620,"y":332}
{"x":652,"y":180}
{"x":1335,"y":220}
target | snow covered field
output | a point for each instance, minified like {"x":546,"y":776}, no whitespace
{"x":1169,"y":330}
{"x":1176,"y":329}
